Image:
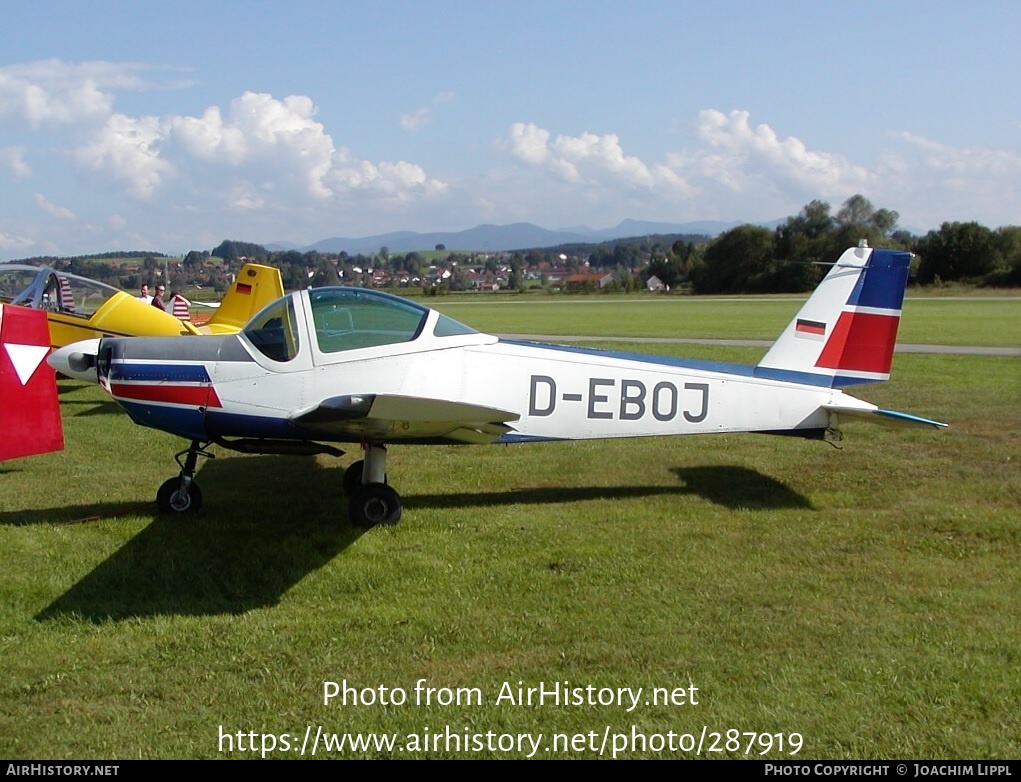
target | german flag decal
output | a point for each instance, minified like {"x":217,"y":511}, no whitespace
{"x":810,"y":328}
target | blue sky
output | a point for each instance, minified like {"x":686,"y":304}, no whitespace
{"x":172,"y":126}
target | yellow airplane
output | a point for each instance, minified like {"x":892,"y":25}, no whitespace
{"x":78,"y":308}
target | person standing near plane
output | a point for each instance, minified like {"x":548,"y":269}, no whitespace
{"x":157,"y":300}
{"x":144,"y":294}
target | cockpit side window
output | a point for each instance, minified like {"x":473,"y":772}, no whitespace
{"x":274,"y":332}
{"x":352,"y":318}
{"x":448,"y":327}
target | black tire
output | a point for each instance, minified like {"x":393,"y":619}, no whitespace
{"x":169,"y":498}
{"x":353,"y":477}
{"x":352,"y":480}
{"x":374,"y":503}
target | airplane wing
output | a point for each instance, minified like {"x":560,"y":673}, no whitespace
{"x":393,"y":417}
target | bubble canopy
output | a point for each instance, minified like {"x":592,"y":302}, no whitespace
{"x":344,"y":319}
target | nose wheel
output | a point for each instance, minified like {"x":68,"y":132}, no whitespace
{"x":372,"y":501}
{"x":182,"y":494}
{"x":172,"y":498}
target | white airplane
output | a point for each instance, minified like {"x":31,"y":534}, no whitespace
{"x":352,"y":365}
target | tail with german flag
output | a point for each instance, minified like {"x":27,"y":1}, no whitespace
{"x":254,"y":288}
{"x":845,"y":333}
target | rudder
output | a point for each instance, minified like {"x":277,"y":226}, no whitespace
{"x":845,"y":333}
{"x":255,"y":287}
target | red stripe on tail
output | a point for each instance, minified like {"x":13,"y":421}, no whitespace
{"x":861,"y":342}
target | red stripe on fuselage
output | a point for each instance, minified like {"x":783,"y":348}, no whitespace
{"x":196,"y":396}
{"x":861,"y":341}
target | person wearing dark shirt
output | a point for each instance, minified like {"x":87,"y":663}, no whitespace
{"x":157,"y":300}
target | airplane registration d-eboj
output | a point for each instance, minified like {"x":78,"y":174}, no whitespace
{"x":351,"y":365}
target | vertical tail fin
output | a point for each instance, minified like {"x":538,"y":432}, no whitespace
{"x":29,"y":411}
{"x":845,"y":333}
{"x":255,"y":287}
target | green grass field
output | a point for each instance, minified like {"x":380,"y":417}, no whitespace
{"x":866,"y":598}
{"x":933,"y":321}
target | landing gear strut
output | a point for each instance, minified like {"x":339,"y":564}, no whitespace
{"x":372,"y":501}
{"x":182,"y":494}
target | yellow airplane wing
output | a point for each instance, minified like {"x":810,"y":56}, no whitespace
{"x":121,"y":315}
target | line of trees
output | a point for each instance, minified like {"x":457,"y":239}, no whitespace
{"x":746,"y":259}
{"x":753,"y":259}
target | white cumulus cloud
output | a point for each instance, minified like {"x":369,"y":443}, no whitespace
{"x":421,"y":117}
{"x":270,"y":152}
{"x":53,"y":92}
{"x":588,"y":159}
{"x":209,"y":138}
{"x":736,"y":154}
{"x":60,"y":212}
{"x":940,"y":182}
{"x":387,"y":179}
{"x":10,"y":242}
{"x":278,"y":141}
{"x":13,"y":159}
{"x":256,"y":155}
{"x":127,"y":148}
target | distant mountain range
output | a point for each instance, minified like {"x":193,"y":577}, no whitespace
{"x":496,"y":238}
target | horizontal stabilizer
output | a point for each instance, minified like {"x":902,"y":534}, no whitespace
{"x":885,"y":417}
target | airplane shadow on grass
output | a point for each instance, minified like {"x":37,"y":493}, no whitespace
{"x":280,"y":520}
{"x":87,"y":404}
{"x":108,"y":407}
{"x":730,"y":486}
{"x":229,"y":563}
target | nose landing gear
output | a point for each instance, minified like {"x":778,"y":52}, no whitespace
{"x":182,"y":494}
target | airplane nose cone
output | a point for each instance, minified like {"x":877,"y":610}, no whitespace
{"x":77,"y":360}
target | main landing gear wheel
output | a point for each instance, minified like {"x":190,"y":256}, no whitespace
{"x":171,"y":498}
{"x":352,"y":480}
{"x":372,"y":504}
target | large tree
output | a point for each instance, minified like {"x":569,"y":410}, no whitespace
{"x":734,"y":260}
{"x":806,"y":236}
{"x":957,"y":251}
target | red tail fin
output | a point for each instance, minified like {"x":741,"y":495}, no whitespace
{"x":29,"y":411}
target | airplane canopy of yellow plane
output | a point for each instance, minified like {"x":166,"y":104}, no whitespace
{"x":78,"y":308}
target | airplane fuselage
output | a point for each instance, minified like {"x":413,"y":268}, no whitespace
{"x":229,"y":389}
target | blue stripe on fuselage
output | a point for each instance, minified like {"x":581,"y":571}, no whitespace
{"x":183,"y":421}
{"x":718,"y":367}
{"x":221,"y":424}
{"x":155,"y":373}
{"x":196,"y":424}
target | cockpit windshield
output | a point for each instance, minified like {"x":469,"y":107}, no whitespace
{"x":273,"y":331}
{"x":42,"y":288}
{"x":344,"y":319}
{"x":352,"y":318}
